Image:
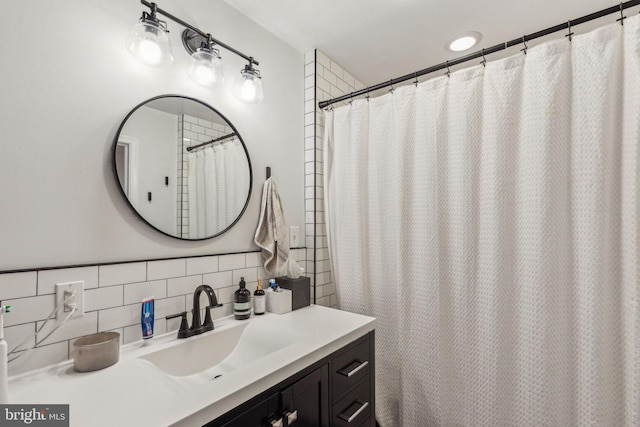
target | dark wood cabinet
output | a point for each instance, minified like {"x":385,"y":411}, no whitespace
{"x":338,"y":390}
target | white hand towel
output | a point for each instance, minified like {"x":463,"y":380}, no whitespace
{"x":272,"y":234}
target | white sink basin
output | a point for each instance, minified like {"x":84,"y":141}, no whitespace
{"x":210,"y":355}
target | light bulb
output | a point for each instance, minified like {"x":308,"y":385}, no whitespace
{"x":206,"y":67}
{"x":248,"y":86}
{"x":149,"y":43}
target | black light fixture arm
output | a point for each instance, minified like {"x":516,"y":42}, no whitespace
{"x":155,"y":9}
{"x":481,"y":53}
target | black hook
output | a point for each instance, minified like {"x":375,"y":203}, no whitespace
{"x":415,"y":78}
{"x":391,"y":84}
{"x":524,"y":42}
{"x":367,"y":95}
{"x":622,"y":17}
{"x":448,"y":73}
{"x":484,"y":60}
{"x":570,"y":33}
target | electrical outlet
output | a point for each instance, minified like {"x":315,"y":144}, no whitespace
{"x":294,"y":236}
{"x":73,"y":292}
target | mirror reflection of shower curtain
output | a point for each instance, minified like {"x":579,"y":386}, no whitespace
{"x":218,"y":176}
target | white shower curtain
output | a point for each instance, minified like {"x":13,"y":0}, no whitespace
{"x":218,"y":182}
{"x":490,"y":222}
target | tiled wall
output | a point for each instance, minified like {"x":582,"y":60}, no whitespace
{"x":324,"y":79}
{"x":112,"y":299}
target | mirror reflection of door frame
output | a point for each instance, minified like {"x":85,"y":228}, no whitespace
{"x":130,"y":145}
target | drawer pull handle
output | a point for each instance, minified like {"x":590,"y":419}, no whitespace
{"x":276,"y":423}
{"x":353,"y":416}
{"x":291,"y":416}
{"x":354,"y":370}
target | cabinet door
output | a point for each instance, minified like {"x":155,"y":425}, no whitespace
{"x":306,"y":403}
{"x":252,"y":417}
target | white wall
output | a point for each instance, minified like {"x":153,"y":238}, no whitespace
{"x":156,"y":133}
{"x":67,"y":82}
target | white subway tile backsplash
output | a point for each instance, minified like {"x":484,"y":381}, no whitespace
{"x":117,"y":274}
{"x":218,"y":280}
{"x":249,"y":274}
{"x":231,"y":262}
{"x":183,"y":285}
{"x":29,"y":309}
{"x":323,"y":59}
{"x":166,"y":269}
{"x":136,"y":292}
{"x":101,"y":298}
{"x":200,"y":265}
{"x":15,"y":335}
{"x":18,"y":285}
{"x":119,"y":317}
{"x":47,"y":279}
{"x":253,"y":259}
{"x":168,"y":306}
{"x":76,"y":327}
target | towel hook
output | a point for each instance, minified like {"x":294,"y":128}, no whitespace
{"x":524,"y":42}
{"x":268,"y":172}
{"x":622,"y":17}
{"x":570,"y":33}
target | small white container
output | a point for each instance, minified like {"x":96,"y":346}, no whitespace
{"x":279,"y":302}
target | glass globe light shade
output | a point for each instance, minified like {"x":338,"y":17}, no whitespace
{"x":248,"y":86}
{"x":206,"y":67}
{"x":148,"y":42}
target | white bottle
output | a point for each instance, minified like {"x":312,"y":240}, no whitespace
{"x":259,"y":303}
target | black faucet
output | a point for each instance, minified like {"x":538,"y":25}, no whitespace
{"x":196,"y":326}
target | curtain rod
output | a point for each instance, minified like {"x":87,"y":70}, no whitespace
{"x":213,"y":141}
{"x":483,"y":52}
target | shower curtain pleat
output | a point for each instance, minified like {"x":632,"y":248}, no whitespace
{"x":218,"y":181}
{"x":489,"y":220}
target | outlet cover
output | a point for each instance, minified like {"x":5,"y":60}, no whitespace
{"x":78,"y":288}
{"x":294,"y":236}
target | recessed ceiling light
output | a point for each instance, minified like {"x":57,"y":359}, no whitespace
{"x":464,"y":41}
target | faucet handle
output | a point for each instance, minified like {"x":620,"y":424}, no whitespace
{"x":183,"y":332}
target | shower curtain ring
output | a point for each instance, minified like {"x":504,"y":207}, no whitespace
{"x":391,"y":84}
{"x":484,"y":60}
{"x":570,"y":33}
{"x":524,"y":42}
{"x":622,"y":17}
{"x":415,"y":78}
{"x":448,"y":73}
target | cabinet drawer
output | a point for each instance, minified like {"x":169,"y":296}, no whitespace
{"x":355,"y":408}
{"x":349,"y":368}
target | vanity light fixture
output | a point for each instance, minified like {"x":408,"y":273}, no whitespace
{"x":206,"y":65}
{"x":247,"y":86}
{"x":149,"y":42}
{"x":464,"y":41}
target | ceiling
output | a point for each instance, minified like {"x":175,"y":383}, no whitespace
{"x":376,"y":40}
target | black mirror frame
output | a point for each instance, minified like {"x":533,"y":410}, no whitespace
{"x":115,"y":171}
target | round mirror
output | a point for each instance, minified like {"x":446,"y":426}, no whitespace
{"x":183,"y":167}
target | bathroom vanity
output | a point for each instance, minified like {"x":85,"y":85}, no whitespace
{"x":335,"y":391}
{"x":310,"y":367}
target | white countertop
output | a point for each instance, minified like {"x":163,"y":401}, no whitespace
{"x":134,"y":392}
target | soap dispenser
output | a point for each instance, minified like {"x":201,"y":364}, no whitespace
{"x":242,"y":301}
{"x":259,"y":303}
